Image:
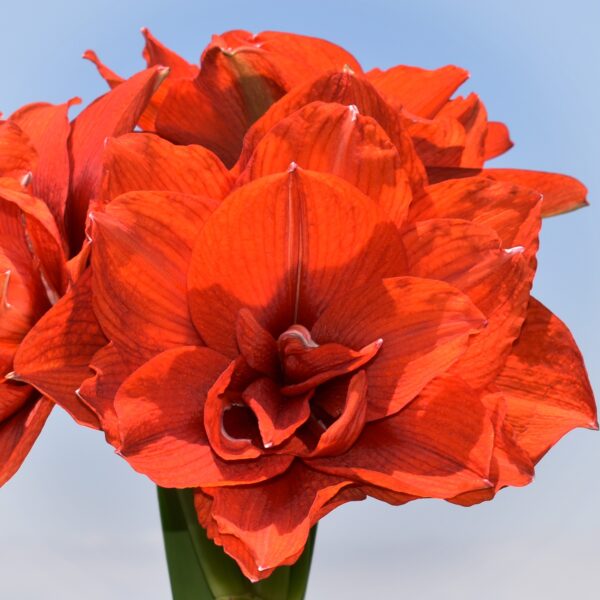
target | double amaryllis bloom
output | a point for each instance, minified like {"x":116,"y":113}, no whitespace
{"x":300,"y":286}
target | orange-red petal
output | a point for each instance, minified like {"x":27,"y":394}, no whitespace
{"x":561,"y":193}
{"x":19,"y":433}
{"x":47,"y":126}
{"x":113,"y":114}
{"x":420,"y":91}
{"x":425,"y":326}
{"x":545,"y":384}
{"x":337,"y":139}
{"x":143,"y":244}
{"x":17,"y":154}
{"x":271,"y":519}
{"x":470,"y":257}
{"x":160,"y":411}
{"x":512,"y":211}
{"x":54,"y":356}
{"x":141,"y":161}
{"x":438,"y":446}
{"x":346,"y":88}
{"x":284,"y":246}
{"x":497,"y":140}
{"x":216,"y":108}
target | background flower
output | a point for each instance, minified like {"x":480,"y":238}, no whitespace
{"x":456,"y":32}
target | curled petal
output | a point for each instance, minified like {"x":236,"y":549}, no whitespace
{"x":44,"y":237}
{"x":216,"y":108}
{"x":545,"y":384}
{"x":271,"y":519}
{"x":342,"y":433}
{"x":510,"y":464}
{"x":278,"y":416}
{"x":438,"y":446}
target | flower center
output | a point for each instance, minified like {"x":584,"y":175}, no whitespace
{"x":279,"y":383}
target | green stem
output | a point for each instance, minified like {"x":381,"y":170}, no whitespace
{"x":200,"y":570}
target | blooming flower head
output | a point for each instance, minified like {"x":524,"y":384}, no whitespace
{"x":304,"y":289}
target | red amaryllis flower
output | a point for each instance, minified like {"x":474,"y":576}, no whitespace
{"x":287,"y":338}
{"x":50,"y":169}
{"x":244,"y":80}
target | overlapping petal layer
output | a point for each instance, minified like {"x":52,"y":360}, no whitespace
{"x":305,"y":287}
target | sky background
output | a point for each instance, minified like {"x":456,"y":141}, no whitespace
{"x":76,"y":522}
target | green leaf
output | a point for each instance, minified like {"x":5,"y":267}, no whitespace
{"x":186,"y":576}
{"x":300,"y":571}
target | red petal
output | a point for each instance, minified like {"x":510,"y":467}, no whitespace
{"x":278,"y":416}
{"x":438,"y":446}
{"x":561,"y":193}
{"x":296,"y":57}
{"x":307,"y":367}
{"x":510,"y":464}
{"x":107,"y":74}
{"x":160,"y":412}
{"x":17,"y":155}
{"x":420,"y":91}
{"x":22,"y":295}
{"x":142,"y":247}
{"x":425,"y":326}
{"x":111,"y":368}
{"x":113,"y":114}
{"x":44,"y":237}
{"x":497,"y":140}
{"x":156,"y":54}
{"x":140,"y":161}
{"x":471,"y":114}
{"x":54,"y":356}
{"x":343,"y":433}
{"x":545,"y":383}
{"x":336,"y":139}
{"x":232,"y":90}
{"x":272,"y":519}
{"x":342,"y":87}
{"x":256,"y":344}
{"x":47,"y":126}
{"x":469,"y":256}
{"x":512,"y":211}
{"x":285,"y":246}
{"x":19,"y":433}
{"x":216,"y":408}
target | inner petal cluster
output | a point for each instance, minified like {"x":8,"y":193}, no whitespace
{"x":275,"y":394}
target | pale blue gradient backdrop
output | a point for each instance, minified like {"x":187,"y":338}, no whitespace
{"x":76,"y":522}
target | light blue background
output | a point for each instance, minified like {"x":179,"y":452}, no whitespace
{"x":77,"y":523}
